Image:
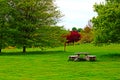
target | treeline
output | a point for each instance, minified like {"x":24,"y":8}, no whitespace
{"x":28,"y":23}
{"x":106,"y":26}
{"x":87,"y":34}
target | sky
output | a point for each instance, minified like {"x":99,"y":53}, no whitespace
{"x":76,"y":13}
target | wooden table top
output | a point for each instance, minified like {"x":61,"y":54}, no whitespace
{"x":84,"y":53}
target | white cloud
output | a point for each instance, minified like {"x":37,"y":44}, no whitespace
{"x":77,"y":12}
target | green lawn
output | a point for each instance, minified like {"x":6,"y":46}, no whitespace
{"x":52,"y":64}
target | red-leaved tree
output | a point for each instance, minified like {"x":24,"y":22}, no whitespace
{"x":73,"y":37}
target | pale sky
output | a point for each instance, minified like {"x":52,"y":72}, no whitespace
{"x":76,"y":13}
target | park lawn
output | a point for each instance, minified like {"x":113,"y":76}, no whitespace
{"x":53,"y":64}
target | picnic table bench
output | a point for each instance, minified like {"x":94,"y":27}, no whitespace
{"x":82,"y":56}
{"x":91,"y":58}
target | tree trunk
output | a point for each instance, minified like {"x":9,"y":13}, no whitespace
{"x":24,"y":49}
{"x":73,"y":43}
{"x":0,"y":50}
{"x":65,"y":46}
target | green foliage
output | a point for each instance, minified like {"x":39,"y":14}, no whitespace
{"x":49,"y":35}
{"x":79,"y":29}
{"x":22,"y":20}
{"x":74,"y":29}
{"x":30,"y":16}
{"x":87,"y":35}
{"x":113,"y":1}
{"x":4,"y":24}
{"x":106,"y":24}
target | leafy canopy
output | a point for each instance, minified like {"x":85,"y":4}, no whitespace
{"x":107,"y":24}
{"x":27,"y":22}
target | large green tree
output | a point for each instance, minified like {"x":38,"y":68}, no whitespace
{"x":107,"y":23}
{"x":31,"y":16}
{"x":29,"y":20}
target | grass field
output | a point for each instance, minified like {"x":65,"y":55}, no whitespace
{"x":52,"y":64}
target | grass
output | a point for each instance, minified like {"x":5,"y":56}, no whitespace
{"x":52,"y":64}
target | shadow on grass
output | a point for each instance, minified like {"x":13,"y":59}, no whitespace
{"x":113,"y":55}
{"x":110,"y":57}
{"x":31,"y":53}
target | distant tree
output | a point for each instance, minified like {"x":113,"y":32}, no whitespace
{"x":87,"y":29}
{"x":79,"y":29}
{"x":73,"y":37}
{"x":74,"y":29}
{"x":107,"y":24}
{"x":87,"y":35}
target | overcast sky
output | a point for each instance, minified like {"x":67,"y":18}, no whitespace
{"x":76,"y":13}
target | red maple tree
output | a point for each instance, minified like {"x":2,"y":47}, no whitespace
{"x":73,"y":37}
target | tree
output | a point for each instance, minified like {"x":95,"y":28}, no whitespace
{"x":80,"y":29}
{"x":23,"y":21}
{"x":77,"y":29}
{"x":107,"y":24}
{"x":74,"y":29}
{"x":50,"y":36}
{"x":30,"y":17}
{"x":87,"y":35}
{"x":72,"y":37}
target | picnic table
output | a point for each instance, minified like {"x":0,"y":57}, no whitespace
{"x":82,"y":53}
{"x":78,"y":56}
{"x":82,"y":56}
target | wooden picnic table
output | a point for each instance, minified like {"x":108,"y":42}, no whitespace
{"x":78,"y":57}
{"x":82,"y":53}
